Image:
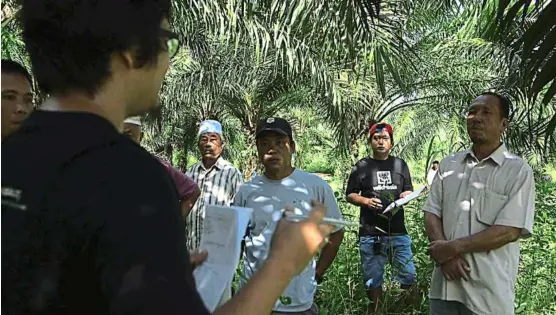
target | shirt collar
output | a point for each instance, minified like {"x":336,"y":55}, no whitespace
{"x":220,"y":164}
{"x":497,"y":156}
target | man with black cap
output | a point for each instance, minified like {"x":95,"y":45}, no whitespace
{"x":374,"y":183}
{"x":280,"y":186}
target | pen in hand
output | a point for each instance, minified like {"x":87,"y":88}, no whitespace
{"x":298,"y":217}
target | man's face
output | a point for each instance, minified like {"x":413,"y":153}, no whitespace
{"x":381,"y":142}
{"x":434,"y":166}
{"x":484,"y":120}
{"x":146,"y":81}
{"x":133,"y":131}
{"x":17,"y":102}
{"x":210,"y":145}
{"x":275,"y":150}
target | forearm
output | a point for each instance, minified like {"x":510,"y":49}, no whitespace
{"x":433,"y":227}
{"x":329,"y":252}
{"x":260,"y":293}
{"x":494,"y":237}
{"x":187,"y":204}
{"x":185,"y":208}
{"x":356,"y":199}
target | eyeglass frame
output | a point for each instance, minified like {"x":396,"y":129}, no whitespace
{"x":171,"y":37}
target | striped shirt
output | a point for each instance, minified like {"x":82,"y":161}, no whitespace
{"x":218,"y":186}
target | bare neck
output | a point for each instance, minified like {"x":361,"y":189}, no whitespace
{"x":208,"y":163}
{"x":279,"y":174}
{"x":484,"y":150}
{"x":380,"y":156}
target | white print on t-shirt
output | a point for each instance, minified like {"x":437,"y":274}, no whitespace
{"x":11,"y":198}
{"x":384,"y":179}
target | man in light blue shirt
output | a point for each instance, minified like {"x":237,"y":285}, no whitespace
{"x":280,"y":186}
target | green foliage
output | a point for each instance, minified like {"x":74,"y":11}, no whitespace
{"x":331,"y":68}
{"x":537,"y":269}
{"x":425,"y":59}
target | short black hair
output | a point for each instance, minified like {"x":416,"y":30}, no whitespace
{"x":435,"y":162}
{"x":70,"y":42}
{"x":12,"y":67}
{"x":505,"y":103}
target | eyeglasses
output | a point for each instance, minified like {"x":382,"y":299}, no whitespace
{"x":172,"y":43}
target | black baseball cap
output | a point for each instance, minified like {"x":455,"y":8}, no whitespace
{"x":274,"y":124}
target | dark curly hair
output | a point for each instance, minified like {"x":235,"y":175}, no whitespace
{"x":12,"y":67}
{"x":70,"y":42}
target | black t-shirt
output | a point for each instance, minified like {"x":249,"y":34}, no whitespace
{"x":386,"y":180}
{"x":90,"y":223}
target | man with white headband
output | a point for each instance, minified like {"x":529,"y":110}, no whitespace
{"x":188,"y":191}
{"x":218,"y":180}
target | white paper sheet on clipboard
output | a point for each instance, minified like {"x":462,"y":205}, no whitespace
{"x":223,"y":230}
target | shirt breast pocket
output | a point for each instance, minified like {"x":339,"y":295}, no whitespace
{"x":490,"y":204}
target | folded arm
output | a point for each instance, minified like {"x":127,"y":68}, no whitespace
{"x":515,"y":219}
{"x":494,"y":237}
{"x":512,"y":220}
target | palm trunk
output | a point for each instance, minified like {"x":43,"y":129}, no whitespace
{"x":250,"y":166}
{"x":252,"y":161}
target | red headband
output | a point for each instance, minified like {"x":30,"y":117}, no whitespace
{"x":386,"y":126}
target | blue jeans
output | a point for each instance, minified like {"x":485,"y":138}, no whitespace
{"x":393,"y":249}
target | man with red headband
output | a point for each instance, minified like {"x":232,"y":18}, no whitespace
{"x":374,"y":183}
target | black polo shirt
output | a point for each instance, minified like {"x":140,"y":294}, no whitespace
{"x":90,"y":223}
{"x":386,"y":180}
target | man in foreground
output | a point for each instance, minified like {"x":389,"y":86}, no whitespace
{"x":281,"y":186}
{"x":95,"y":227}
{"x":373,"y":184}
{"x":480,"y":204}
{"x":17,"y":99}
{"x":188,"y":192}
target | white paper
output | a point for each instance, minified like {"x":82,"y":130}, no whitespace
{"x":223,"y":230}
{"x":406,"y":199}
